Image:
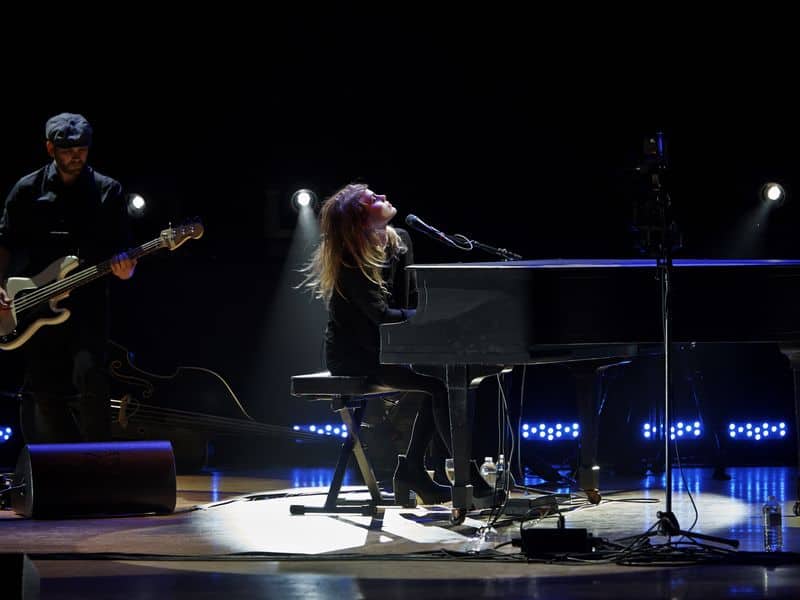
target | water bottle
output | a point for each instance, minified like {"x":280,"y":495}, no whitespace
{"x":489,"y":471}
{"x":501,"y":472}
{"x":773,"y":533}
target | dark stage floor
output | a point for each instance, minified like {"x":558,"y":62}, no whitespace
{"x":232,"y":535}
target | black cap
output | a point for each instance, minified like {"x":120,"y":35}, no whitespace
{"x":67,"y":130}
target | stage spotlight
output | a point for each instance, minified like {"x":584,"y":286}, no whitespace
{"x":337,"y":430}
{"x":136,"y":205}
{"x":773,"y":193}
{"x":681,"y":430}
{"x":550,"y":432}
{"x":304,"y":198}
{"x":764,"y":431}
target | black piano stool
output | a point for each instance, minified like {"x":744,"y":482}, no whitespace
{"x":348,"y":397}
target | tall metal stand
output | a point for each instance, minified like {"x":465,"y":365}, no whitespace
{"x":662,"y":246}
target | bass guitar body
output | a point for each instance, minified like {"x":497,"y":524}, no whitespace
{"x":34,"y":300}
{"x":17,"y":328}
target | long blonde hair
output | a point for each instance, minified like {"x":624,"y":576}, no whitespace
{"x":346,"y":241}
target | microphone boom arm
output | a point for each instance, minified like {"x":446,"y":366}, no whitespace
{"x":475,"y":244}
{"x":458,"y":240}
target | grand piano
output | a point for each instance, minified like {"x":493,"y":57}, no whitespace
{"x":474,"y":319}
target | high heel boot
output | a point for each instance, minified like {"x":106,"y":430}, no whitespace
{"x":409,"y":476}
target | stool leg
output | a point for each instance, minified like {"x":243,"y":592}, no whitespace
{"x":351,"y":410}
{"x":348,"y":447}
{"x":353,"y":423}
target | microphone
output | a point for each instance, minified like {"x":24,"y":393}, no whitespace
{"x":420,"y":225}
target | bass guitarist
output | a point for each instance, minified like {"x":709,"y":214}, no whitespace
{"x":66,"y":208}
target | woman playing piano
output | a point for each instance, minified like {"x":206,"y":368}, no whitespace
{"x":359,"y":271}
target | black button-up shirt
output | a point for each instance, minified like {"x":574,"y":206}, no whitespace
{"x":44,"y":220}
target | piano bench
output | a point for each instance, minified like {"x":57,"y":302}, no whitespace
{"x":348,"y":396}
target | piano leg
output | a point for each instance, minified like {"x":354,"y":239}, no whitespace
{"x":461,"y":416}
{"x":589,"y":387}
{"x":793,"y":354}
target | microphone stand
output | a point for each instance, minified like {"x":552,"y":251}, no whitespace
{"x":667,"y":525}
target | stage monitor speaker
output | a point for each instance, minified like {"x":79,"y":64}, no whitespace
{"x":18,"y":577}
{"x":106,"y":478}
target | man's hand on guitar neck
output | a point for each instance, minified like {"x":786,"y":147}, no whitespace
{"x":122,"y":266}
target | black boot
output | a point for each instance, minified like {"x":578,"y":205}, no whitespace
{"x":409,"y":476}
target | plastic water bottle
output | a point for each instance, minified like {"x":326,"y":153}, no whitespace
{"x":773,"y":533}
{"x":489,"y":471}
{"x":501,"y":472}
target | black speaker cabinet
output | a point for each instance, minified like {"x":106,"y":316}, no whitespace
{"x":107,"y":478}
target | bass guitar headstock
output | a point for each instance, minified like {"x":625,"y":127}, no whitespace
{"x":191,"y":229}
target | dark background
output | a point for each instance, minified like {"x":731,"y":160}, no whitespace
{"x":519,"y":130}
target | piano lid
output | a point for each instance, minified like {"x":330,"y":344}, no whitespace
{"x":513,"y":312}
{"x":611,"y":263}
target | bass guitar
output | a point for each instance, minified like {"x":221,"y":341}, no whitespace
{"x":34,"y":301}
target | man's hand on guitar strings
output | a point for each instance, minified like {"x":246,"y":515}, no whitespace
{"x":123,"y":266}
{"x":5,"y":301}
